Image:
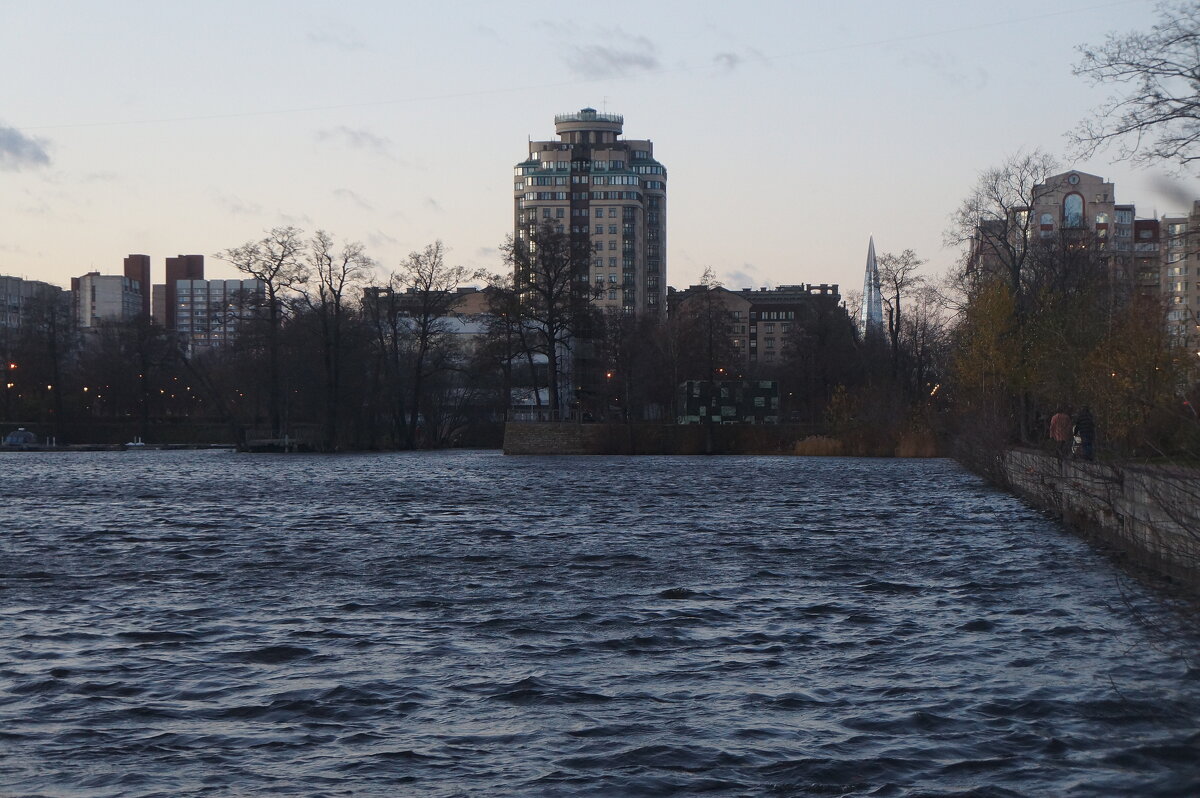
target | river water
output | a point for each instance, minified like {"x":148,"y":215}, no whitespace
{"x":210,"y":623}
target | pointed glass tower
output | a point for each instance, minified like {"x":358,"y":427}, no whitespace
{"x":871,"y":319}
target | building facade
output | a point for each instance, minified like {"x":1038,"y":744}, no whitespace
{"x":605,"y":190}
{"x":137,"y":268}
{"x":180,"y":267}
{"x":209,"y":312}
{"x":16,"y":294}
{"x":1179,"y":284}
{"x":758,"y":322}
{"x":102,"y":298}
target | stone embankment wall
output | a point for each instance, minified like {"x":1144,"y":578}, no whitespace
{"x":1148,"y":513}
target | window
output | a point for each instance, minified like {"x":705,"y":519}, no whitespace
{"x":545,"y":213}
{"x":558,"y":213}
{"x":612,"y":293}
{"x":612,"y":278}
{"x":612,"y":229}
{"x":599,"y":229}
{"x":612,"y":244}
{"x":612,"y":213}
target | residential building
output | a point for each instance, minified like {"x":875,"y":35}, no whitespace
{"x":1180,"y":284}
{"x":208,"y":312}
{"x":759,"y":321}
{"x":181,"y":267}
{"x":137,"y":269}
{"x":105,"y":297}
{"x":604,"y":190}
{"x":17,"y":293}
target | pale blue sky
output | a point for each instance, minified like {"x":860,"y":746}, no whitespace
{"x":791,"y":130}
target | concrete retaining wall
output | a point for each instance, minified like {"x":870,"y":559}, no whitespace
{"x":1149,"y":513}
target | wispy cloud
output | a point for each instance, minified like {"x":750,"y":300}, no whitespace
{"x":635,"y":54}
{"x":378,"y":238}
{"x":433,"y":205}
{"x":339,"y":37}
{"x":947,"y":67}
{"x":303,"y":221}
{"x":358,"y":139}
{"x":727,"y":61}
{"x":18,"y":151}
{"x":356,"y":199}
{"x":238,"y":206}
{"x":745,"y":277}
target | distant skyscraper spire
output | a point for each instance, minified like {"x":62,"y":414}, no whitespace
{"x":871,"y":318}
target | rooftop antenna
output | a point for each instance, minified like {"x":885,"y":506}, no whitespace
{"x":605,"y":104}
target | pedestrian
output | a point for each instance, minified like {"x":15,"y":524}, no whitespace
{"x":1060,"y":432}
{"x":1085,"y":432}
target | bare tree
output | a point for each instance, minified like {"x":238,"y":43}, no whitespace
{"x":332,"y":274}
{"x":898,"y":278}
{"x":1157,"y":116}
{"x":993,"y":225}
{"x":551,"y":280}
{"x":277,"y":260}
{"x":430,"y":288}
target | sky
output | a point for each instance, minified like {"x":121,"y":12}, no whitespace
{"x":791,"y":131}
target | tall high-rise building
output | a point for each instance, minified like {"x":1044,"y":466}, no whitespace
{"x":870,"y":320}
{"x":608,"y":191}
{"x":137,"y":268}
{"x":181,"y":267}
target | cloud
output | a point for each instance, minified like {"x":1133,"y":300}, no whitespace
{"x":18,"y":151}
{"x":728,"y":61}
{"x":433,"y":205}
{"x":487,"y":253}
{"x":603,"y":61}
{"x":948,"y":68}
{"x":237,"y":206}
{"x":303,"y":221}
{"x":360,"y":139}
{"x":339,"y":37}
{"x":378,"y":238}
{"x":745,"y":277}
{"x":347,"y":194}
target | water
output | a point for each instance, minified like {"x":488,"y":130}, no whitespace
{"x":206,"y":623}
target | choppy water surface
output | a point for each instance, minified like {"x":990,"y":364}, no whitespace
{"x":199,"y":623}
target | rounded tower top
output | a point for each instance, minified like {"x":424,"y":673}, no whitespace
{"x":576,"y":127}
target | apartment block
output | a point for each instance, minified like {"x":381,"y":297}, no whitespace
{"x":208,"y":313}
{"x":607,"y":191}
{"x":17,"y":294}
{"x":105,"y":297}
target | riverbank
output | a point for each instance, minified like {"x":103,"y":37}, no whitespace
{"x":1147,"y":515}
